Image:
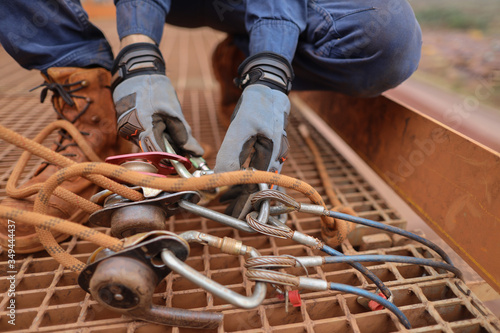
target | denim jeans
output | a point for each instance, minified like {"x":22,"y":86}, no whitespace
{"x":356,"y":47}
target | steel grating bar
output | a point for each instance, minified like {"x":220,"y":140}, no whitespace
{"x":50,"y":300}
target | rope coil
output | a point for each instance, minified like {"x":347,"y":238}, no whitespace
{"x":97,"y":173}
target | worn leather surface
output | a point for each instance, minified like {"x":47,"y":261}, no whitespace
{"x":99,"y":121}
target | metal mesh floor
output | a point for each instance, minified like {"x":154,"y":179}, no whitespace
{"x":48,"y":298}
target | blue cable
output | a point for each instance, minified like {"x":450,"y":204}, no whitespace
{"x":391,"y":258}
{"x":380,"y":300}
{"x":365,"y":271}
{"x":385,"y":227}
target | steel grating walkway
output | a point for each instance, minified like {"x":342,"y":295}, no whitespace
{"x":48,"y":298}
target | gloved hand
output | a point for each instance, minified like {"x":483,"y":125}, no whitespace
{"x":146,"y":103}
{"x":258,"y":123}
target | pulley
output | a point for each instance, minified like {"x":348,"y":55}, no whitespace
{"x":125,"y":281}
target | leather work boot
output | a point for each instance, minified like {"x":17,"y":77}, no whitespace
{"x":83,"y":97}
{"x":225,"y":61}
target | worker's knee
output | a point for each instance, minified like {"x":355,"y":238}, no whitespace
{"x":389,"y":45}
{"x":385,"y":55}
{"x":372,"y":49}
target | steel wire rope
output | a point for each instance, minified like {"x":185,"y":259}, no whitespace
{"x":280,"y":278}
{"x":287,"y":233}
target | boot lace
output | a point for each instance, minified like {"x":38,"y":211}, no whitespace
{"x":67,"y":93}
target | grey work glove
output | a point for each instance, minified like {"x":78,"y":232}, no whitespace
{"x":146,"y":103}
{"x":258,"y":124}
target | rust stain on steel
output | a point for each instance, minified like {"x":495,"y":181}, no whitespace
{"x":448,"y":179}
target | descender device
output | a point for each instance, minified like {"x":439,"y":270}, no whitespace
{"x":125,"y":281}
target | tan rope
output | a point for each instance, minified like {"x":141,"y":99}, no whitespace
{"x":95,"y":172}
{"x":165,"y":184}
{"x":34,"y":147}
{"x":46,"y":223}
{"x":335,"y":234}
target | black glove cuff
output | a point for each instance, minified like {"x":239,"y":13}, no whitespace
{"x":136,"y":59}
{"x":267,"y":68}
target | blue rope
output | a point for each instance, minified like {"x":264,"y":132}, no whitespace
{"x":391,"y":258}
{"x":380,"y":300}
{"x":389,"y":228}
{"x":365,"y":271}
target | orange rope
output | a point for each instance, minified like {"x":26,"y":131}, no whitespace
{"x":96,"y":172}
{"x":34,"y":147}
{"x":46,"y":223}
{"x":336,"y":233}
{"x":165,"y":184}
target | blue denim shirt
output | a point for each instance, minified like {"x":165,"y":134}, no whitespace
{"x":273,"y":25}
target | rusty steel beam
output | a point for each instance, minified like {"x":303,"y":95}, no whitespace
{"x":451,"y":181}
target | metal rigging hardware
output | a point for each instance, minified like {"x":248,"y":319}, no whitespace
{"x":125,"y":281}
